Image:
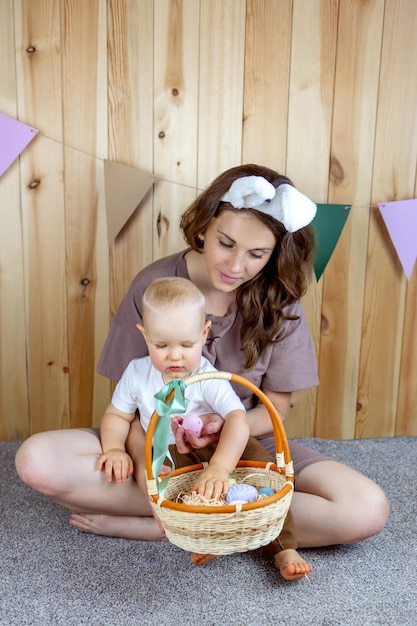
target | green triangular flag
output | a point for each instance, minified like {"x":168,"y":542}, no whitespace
{"x":328,"y":225}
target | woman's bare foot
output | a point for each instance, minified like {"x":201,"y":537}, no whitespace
{"x":137,"y":528}
{"x":291,"y":565}
{"x":201,"y":559}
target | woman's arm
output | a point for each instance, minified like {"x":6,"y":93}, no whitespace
{"x":258,"y":417}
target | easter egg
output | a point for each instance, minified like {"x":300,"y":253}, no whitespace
{"x":193,"y":422}
{"x":267,"y":491}
{"x":241,"y":493}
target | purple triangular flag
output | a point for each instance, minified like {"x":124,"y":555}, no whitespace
{"x":14,"y":137}
{"x":400,"y":218}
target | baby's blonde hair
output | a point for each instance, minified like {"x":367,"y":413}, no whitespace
{"x":172,"y":291}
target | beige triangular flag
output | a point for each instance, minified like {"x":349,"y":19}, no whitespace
{"x":125,"y":187}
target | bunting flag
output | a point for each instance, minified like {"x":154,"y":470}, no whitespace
{"x":400,"y":218}
{"x":14,"y":137}
{"x":328,"y":225}
{"x":125,"y":187}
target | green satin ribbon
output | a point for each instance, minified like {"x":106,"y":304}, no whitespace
{"x":165,"y":409}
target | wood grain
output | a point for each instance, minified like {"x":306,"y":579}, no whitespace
{"x":130,"y":79}
{"x":383,"y":351}
{"x":323,"y":90}
{"x":176,"y":91}
{"x":39,"y":91}
{"x":406,"y":419}
{"x":46,"y":285}
{"x":38,"y":64}
{"x":85,"y":83}
{"x":14,"y":407}
{"x":266,"y":82}
{"x":220,"y":103}
{"x":170,"y":201}
{"x":311,"y":89}
{"x":84,"y":123}
{"x":14,"y":401}
{"x":354,"y":114}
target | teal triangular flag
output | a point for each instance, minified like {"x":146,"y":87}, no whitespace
{"x":328,"y":225}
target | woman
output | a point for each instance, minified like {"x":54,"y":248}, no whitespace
{"x":250,"y":248}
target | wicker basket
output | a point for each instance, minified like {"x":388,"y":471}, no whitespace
{"x":229,"y":528}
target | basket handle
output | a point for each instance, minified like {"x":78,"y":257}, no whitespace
{"x":281,"y":442}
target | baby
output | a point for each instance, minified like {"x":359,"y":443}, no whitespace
{"x":175,"y":329}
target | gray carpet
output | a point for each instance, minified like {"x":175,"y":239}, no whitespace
{"x":52,"y":575}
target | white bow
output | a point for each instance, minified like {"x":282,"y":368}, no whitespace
{"x":284,"y":203}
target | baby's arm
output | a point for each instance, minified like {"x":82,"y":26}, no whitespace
{"x":214,"y":480}
{"x":114,"y":429}
{"x":136,"y":447}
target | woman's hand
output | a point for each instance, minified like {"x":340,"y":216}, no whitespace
{"x":186,"y":440}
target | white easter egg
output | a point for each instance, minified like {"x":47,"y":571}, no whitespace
{"x":242,"y":492}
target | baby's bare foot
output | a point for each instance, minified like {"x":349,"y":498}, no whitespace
{"x":291,"y":565}
{"x":201,"y":559}
{"x":138,"y":528}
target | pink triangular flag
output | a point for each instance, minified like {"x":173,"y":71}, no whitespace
{"x":14,"y":137}
{"x":125,"y":188}
{"x":400,"y":218}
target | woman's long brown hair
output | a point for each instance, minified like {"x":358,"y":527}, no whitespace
{"x":283,"y":280}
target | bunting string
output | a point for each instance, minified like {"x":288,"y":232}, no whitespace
{"x":168,"y":180}
{"x":126,"y":186}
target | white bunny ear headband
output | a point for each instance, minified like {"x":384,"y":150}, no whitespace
{"x":284,"y":203}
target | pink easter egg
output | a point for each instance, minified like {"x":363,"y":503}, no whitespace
{"x":193,"y":422}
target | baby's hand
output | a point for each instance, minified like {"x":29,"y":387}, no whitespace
{"x":116,"y":462}
{"x":212,"y":482}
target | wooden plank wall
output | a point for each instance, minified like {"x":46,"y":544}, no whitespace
{"x":323,"y":90}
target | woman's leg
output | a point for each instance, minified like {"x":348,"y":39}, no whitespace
{"x":334,"y":504}
{"x":62,"y":465}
